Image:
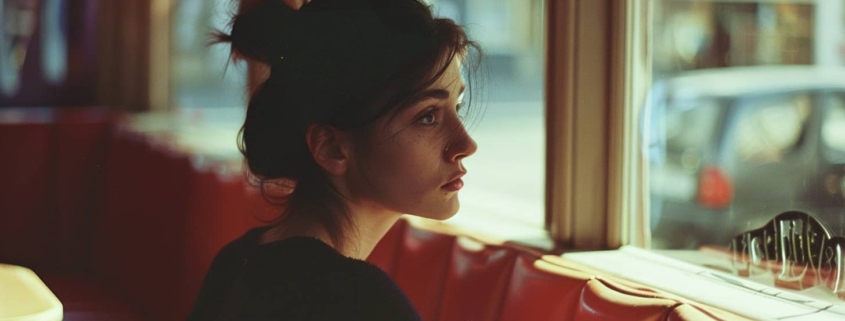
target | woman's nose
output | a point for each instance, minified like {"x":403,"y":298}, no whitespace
{"x":463,"y":146}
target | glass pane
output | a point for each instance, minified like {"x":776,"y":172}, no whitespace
{"x":746,"y":117}
{"x":505,"y":180}
{"x":833,"y":128}
{"x":202,"y":75}
{"x":691,"y":125}
{"x":770,"y":129}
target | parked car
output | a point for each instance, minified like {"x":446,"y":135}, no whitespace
{"x":731,"y":148}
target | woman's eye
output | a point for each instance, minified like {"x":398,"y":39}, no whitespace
{"x":428,"y":119}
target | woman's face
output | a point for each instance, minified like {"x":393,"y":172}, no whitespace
{"x":412,"y":163}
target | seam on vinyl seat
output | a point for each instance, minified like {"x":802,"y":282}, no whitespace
{"x":668,"y":311}
{"x":611,"y":284}
{"x":500,"y":299}
{"x":702,"y":310}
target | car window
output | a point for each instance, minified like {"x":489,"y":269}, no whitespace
{"x":691,"y":125}
{"x":769,"y":128}
{"x":833,"y":128}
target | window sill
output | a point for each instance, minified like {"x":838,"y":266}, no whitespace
{"x":502,"y":227}
{"x":707,"y":286}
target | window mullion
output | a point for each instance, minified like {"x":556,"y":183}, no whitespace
{"x":577,"y":121}
{"x":560,"y":90}
{"x":630,"y":82}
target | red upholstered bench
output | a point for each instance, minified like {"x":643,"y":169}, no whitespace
{"x":451,"y":275}
{"x":118,"y":224}
{"x":123,"y":225}
{"x":52,"y":169}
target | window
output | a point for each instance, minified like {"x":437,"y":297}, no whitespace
{"x":833,"y":129}
{"x":770,"y":129}
{"x":683,"y":138}
{"x":202,"y":76}
{"x":505,"y":179}
{"x":692,"y":125}
{"x":744,"y":123}
{"x":18,"y":25}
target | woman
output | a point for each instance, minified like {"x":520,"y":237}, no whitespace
{"x":361,"y":115}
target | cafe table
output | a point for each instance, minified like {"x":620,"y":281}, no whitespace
{"x":24,"y":297}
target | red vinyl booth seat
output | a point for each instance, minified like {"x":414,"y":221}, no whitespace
{"x":601,"y":302}
{"x":27,"y":179}
{"x":504,"y":282}
{"x":123,"y":226}
{"x":477,"y":277}
{"x":541,"y":291}
{"x":420,"y":268}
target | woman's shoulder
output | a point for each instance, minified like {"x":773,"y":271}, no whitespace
{"x":308,"y":260}
{"x":306,"y":276}
{"x":382,"y":298}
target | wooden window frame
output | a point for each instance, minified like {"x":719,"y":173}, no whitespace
{"x":134,"y":54}
{"x":598,"y":74}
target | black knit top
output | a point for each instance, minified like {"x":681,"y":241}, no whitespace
{"x":298,"y":278}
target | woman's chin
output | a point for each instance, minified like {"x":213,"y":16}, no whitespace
{"x":444,"y":213}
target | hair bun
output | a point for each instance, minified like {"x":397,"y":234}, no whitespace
{"x":261,"y":29}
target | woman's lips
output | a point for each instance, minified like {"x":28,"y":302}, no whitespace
{"x":454,"y":185}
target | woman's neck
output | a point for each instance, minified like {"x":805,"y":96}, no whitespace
{"x":366,"y":228}
{"x":368,"y":232}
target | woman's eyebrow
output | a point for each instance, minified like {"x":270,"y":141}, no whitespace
{"x":441,"y":94}
{"x":437,"y":93}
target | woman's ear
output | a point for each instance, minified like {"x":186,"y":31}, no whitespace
{"x":295,"y":4}
{"x":329,"y":147}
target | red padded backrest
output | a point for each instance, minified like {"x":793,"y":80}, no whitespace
{"x":476,"y":281}
{"x":420,"y":268}
{"x":541,"y":291}
{"x":79,"y":160}
{"x":27,"y":235}
{"x":218,"y":214}
{"x":140,"y":239}
{"x":602,"y":302}
{"x":166,"y":196}
{"x":202,"y":237}
{"x":84,"y":298}
{"x":385,"y":252}
{"x":686,"y":312}
{"x":118,"y":208}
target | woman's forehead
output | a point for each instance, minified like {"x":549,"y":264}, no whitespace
{"x":451,"y":79}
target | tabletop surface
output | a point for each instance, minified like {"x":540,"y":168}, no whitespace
{"x":24,"y":297}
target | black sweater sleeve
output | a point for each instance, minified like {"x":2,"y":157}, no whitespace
{"x":297,"y":279}
{"x":351,"y":290}
{"x":218,"y":282}
{"x":379,"y":298}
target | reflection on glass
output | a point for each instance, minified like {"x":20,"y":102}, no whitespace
{"x":54,"y":41}
{"x":771,"y":129}
{"x":746,"y":118}
{"x":833,"y":130}
{"x":17,"y":18}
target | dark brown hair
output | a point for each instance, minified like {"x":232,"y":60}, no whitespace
{"x":341,"y":63}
